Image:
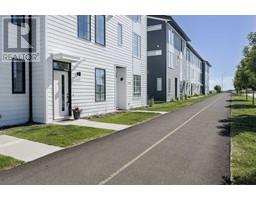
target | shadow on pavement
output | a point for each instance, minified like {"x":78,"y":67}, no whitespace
{"x":224,"y":127}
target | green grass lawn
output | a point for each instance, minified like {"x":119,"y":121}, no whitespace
{"x":172,"y":106}
{"x":57,"y":135}
{"x":127,"y":118}
{"x":7,"y":162}
{"x":243,"y":137}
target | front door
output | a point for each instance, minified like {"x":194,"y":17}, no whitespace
{"x":61,"y":94}
{"x":121,"y":88}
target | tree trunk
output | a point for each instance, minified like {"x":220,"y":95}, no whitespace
{"x":253,"y":99}
{"x":246,"y":94}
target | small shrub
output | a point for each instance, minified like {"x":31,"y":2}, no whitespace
{"x":151,"y":102}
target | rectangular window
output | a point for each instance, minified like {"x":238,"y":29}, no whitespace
{"x":169,"y":86}
{"x":136,"y":85}
{"x":136,"y":41}
{"x":100,"y":84}
{"x":119,"y":34}
{"x":136,"y":18}
{"x":18,"y":20}
{"x":84,"y":26}
{"x":100,"y":31}
{"x":177,"y":42}
{"x":159,"y":84}
{"x":18,"y":76}
{"x":170,"y":36}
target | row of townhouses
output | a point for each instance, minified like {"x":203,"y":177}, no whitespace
{"x":98,"y":63}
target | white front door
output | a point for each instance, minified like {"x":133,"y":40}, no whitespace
{"x":121,"y":85}
{"x":61,"y":94}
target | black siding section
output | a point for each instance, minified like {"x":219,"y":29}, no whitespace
{"x":156,"y":40}
{"x":203,"y":76}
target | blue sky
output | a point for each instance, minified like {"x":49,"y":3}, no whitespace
{"x":220,"y":40}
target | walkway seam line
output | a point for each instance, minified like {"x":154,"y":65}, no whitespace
{"x":154,"y":145}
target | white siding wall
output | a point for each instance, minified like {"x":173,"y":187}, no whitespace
{"x":14,"y":108}
{"x":38,"y":76}
{"x":62,"y":37}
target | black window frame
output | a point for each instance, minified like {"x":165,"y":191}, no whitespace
{"x":100,"y":100}
{"x":104,"y":17}
{"x":90,"y":35}
{"x":18,"y":20}
{"x":134,"y":85}
{"x":23,"y":75}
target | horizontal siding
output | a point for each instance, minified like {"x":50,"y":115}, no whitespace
{"x":14,"y":108}
{"x":62,"y":38}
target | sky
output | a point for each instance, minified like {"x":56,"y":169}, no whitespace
{"x":220,"y":40}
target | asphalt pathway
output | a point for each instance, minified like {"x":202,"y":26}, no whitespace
{"x":189,"y":146}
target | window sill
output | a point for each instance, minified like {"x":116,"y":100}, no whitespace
{"x":98,"y":101}
{"x":99,"y":44}
{"x":139,"y":58}
{"x":84,"y":39}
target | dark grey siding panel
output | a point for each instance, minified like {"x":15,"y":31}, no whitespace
{"x":157,"y":64}
{"x":203,"y":77}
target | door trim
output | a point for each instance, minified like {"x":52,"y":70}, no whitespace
{"x":69,"y":88}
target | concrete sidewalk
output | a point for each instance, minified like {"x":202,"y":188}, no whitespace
{"x":93,"y":124}
{"x":23,"y":149}
{"x":149,"y":111}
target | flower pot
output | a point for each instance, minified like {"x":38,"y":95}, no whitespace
{"x":76,"y":114}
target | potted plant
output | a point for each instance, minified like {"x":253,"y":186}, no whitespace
{"x":76,"y":112}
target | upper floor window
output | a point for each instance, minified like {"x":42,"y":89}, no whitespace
{"x":188,"y":55}
{"x":119,"y":34}
{"x":84,"y":26}
{"x":100,"y":31}
{"x":18,"y":20}
{"x":136,"y":43}
{"x":170,"y":36}
{"x":18,"y":76}
{"x":177,"y":42}
{"x":136,"y":18}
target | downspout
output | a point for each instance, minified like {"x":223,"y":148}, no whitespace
{"x":30,"y":71}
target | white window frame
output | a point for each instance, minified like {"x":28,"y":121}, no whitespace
{"x":136,"y":85}
{"x":136,"y":18}
{"x":159,"y":84}
{"x":136,"y":44}
{"x":119,"y":34}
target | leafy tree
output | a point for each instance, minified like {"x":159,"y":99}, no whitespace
{"x":245,"y":76}
{"x":253,"y":86}
{"x":217,"y":88}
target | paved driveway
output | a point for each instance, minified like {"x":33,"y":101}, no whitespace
{"x":189,"y":146}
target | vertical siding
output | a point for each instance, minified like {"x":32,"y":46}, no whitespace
{"x":62,"y":38}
